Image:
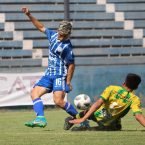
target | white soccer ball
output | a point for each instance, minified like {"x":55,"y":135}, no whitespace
{"x":82,"y":101}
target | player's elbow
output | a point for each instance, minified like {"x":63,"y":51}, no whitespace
{"x":42,"y":29}
{"x":140,"y":118}
{"x":137,"y":117}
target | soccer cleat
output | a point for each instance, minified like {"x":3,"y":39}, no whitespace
{"x":80,"y":128}
{"x":67,"y":124}
{"x":40,"y":121}
{"x":84,"y":126}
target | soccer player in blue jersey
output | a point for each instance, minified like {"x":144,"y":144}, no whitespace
{"x":58,"y":75}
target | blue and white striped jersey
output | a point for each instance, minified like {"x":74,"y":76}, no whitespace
{"x":60,"y":54}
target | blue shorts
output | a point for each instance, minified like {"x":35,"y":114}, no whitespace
{"x":52,"y":83}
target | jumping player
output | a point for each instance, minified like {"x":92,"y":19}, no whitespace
{"x":113,"y":104}
{"x":58,"y":75}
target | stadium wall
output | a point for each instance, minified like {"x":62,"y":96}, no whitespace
{"x":92,"y":80}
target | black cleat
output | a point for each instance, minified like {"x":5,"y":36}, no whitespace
{"x":84,"y":126}
{"x":67,"y":124}
{"x":80,"y":128}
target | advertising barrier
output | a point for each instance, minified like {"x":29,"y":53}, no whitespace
{"x":15,"y":89}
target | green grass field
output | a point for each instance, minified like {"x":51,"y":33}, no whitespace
{"x":13,"y":131}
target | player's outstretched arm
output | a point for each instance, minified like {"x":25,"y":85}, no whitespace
{"x":35,"y":22}
{"x":93,"y":108}
{"x":140,"y":118}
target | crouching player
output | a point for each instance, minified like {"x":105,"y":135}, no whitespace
{"x":113,"y":104}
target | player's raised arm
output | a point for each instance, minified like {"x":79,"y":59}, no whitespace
{"x":35,"y":22}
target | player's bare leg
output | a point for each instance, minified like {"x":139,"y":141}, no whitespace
{"x":40,"y":120}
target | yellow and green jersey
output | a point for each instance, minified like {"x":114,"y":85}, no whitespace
{"x":117,"y":102}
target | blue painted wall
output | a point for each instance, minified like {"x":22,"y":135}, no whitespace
{"x":92,"y":80}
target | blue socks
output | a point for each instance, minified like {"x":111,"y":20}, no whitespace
{"x":69,"y":108}
{"x":38,"y":107}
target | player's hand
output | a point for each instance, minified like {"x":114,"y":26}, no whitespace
{"x":26,"y":11}
{"x":77,"y":121}
{"x":68,"y":88}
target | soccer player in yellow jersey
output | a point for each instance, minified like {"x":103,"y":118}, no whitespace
{"x":112,"y":105}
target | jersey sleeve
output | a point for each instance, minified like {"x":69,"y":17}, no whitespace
{"x":136,"y":106}
{"x":49,"y":33}
{"x":106,"y":93}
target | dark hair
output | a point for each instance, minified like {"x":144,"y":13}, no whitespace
{"x":132,"y":81}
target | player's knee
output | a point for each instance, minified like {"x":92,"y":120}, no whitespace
{"x":34,"y":94}
{"x":59,"y":103}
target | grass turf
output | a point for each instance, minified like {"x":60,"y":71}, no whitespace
{"x":13,"y":131}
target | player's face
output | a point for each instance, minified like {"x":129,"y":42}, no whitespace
{"x":62,"y":37}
